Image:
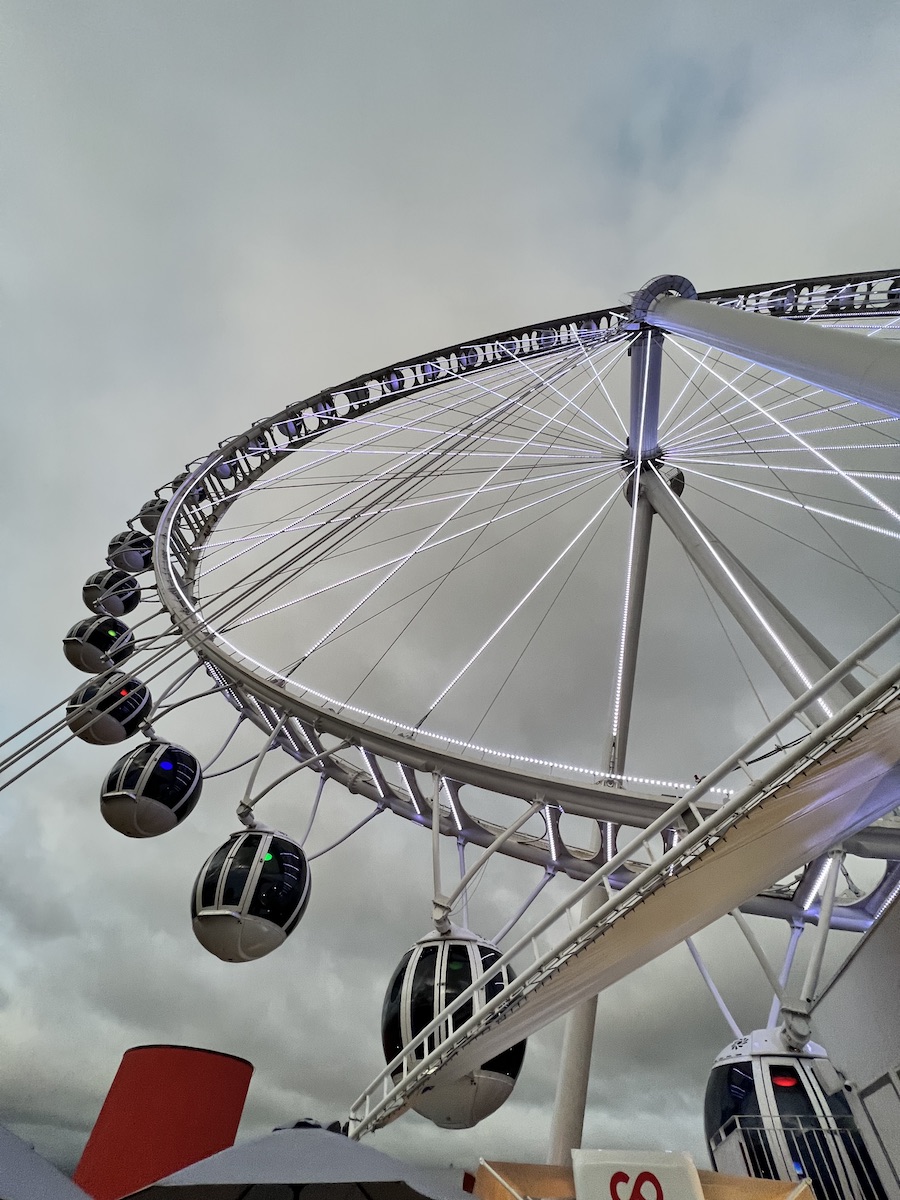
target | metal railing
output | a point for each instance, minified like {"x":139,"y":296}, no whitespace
{"x":829,"y":1152}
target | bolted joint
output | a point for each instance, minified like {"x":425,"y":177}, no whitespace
{"x":796,"y":1030}
{"x":440,"y":914}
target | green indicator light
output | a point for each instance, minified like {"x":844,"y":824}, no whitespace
{"x":268,"y":858}
{"x":111,"y":632}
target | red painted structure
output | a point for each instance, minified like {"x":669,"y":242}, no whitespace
{"x":168,"y":1107}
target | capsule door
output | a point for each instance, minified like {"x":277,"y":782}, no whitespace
{"x":804,"y":1135}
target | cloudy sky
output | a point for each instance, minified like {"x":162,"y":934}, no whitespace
{"x":211,"y":209}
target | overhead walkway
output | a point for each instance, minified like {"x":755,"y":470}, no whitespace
{"x":844,"y":776}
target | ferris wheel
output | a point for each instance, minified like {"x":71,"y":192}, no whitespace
{"x":611,"y":595}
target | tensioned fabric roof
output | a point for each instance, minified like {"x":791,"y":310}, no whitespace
{"x":326,"y":1165}
{"x":24,"y":1175}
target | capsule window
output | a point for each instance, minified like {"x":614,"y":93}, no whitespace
{"x":791,"y":1096}
{"x":421,"y":1000}
{"x":238,"y":872}
{"x":132,"y":775}
{"x":497,"y":982}
{"x":509,"y":1062}
{"x":171,"y":779}
{"x":208,"y":891}
{"x":730,"y":1092}
{"x":458,"y":978}
{"x":391,"y":1028}
{"x":280,"y":885}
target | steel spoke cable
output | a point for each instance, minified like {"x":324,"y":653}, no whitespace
{"x":448,"y":442}
{"x":465,"y":559}
{"x":331,"y":453}
{"x":441,"y":577}
{"x":554,"y":490}
{"x":420,"y":546}
{"x":352,"y":532}
{"x":745,"y":596}
{"x":780,"y":384}
{"x":283,"y":582}
{"x":708,"y":431}
{"x":733,"y":429}
{"x":737,"y":654}
{"x":778,"y":484}
{"x":568,"y":401}
{"x":818,"y":453}
{"x":707,"y":400}
{"x":534,"y":633}
{"x":387,"y":483}
{"x":498,"y":415}
{"x":469,"y":553}
{"x":781,"y":468}
{"x":670,"y":413}
{"x":599,"y":380}
{"x":442,"y":497}
{"x":471,"y":381}
{"x":581,"y":483}
{"x":847,"y":562}
{"x":745,"y":487}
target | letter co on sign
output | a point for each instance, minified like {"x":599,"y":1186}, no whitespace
{"x":634,"y":1175}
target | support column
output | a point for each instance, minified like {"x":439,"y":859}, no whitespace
{"x":578,"y":1040}
{"x":796,"y":657}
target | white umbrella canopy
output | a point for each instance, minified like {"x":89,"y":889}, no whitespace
{"x":291,"y":1163}
{"x":24,"y":1175}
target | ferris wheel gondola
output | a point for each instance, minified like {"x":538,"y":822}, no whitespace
{"x":108,"y":709}
{"x":151,"y":790}
{"x":776,"y":1113}
{"x":250,"y":895}
{"x":96,"y":644}
{"x":431,"y":976}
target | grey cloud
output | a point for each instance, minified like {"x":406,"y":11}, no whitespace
{"x":213,"y":210}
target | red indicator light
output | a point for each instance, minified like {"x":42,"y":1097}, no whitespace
{"x":124,"y":692}
{"x":784,"y":1080}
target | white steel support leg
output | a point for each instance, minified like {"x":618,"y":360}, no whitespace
{"x":578,"y":1040}
{"x":796,"y":657}
{"x":794,"y":940}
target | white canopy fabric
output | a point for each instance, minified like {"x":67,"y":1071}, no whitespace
{"x":24,"y":1175}
{"x":292,"y":1162}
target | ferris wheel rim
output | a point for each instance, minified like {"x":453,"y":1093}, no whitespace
{"x":515,"y":774}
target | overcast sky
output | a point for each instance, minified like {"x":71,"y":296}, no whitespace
{"x":211,"y":209}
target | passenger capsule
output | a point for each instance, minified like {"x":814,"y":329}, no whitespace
{"x":112,"y":592}
{"x":108,"y":709}
{"x":151,"y":790}
{"x":131,"y":551}
{"x":98,"y":643}
{"x":291,"y":428}
{"x":430,"y":976}
{"x":196,"y":494}
{"x":151,"y":512}
{"x":250,"y":894}
{"x":769,"y":1114}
